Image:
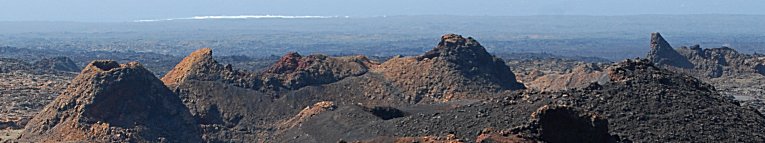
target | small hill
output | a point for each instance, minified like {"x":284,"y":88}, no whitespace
{"x":455,"y":68}
{"x":111,"y":102}
{"x":57,"y":64}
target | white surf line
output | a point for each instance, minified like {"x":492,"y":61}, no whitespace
{"x":242,"y":17}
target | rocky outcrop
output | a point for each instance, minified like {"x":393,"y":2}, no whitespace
{"x":717,"y":62}
{"x":294,"y":71}
{"x":702,"y":63}
{"x":57,"y":64}
{"x":456,"y":65}
{"x":111,"y":102}
{"x":760,"y":68}
{"x":663,"y":54}
{"x":557,"y":124}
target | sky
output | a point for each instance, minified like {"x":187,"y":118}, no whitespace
{"x":131,"y":10}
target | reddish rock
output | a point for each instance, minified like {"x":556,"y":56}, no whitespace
{"x":294,"y":71}
{"x":198,"y":65}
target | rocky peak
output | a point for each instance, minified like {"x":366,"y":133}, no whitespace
{"x":663,"y":54}
{"x":453,"y":46}
{"x":199,"y":64}
{"x":112,"y":102}
{"x":453,"y":40}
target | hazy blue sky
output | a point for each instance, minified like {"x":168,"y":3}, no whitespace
{"x":128,"y":10}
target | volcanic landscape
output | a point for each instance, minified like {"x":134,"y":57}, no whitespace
{"x":455,"y":92}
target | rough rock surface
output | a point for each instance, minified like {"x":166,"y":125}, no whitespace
{"x":9,"y":64}
{"x":653,"y":104}
{"x":663,"y":54}
{"x":25,"y":89}
{"x":717,"y":62}
{"x":109,"y":102}
{"x":556,"y":124}
{"x":24,"y":94}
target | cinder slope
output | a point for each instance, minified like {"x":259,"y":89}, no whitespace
{"x":456,"y":68}
{"x":109,"y":102}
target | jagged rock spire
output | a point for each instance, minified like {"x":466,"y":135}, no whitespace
{"x":663,"y":54}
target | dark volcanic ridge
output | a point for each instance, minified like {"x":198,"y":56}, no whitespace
{"x":734,"y":74}
{"x":456,"y":92}
{"x":704,"y":63}
{"x":439,"y":74}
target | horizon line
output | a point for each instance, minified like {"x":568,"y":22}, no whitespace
{"x":268,"y":16}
